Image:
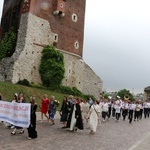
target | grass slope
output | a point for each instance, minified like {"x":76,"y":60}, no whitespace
{"x":7,"y":91}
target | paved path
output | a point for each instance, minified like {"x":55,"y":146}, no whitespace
{"x":110,"y":135}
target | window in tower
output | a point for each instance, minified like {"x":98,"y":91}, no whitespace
{"x":74,"y":17}
{"x":55,"y":37}
{"x":76,"y":45}
{"x":69,"y":71}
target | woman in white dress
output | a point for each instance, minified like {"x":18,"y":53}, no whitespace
{"x":94,"y":117}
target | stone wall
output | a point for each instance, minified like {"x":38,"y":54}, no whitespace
{"x":79,"y":74}
{"x":35,"y":33}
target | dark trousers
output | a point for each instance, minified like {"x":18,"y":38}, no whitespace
{"x":104,"y":113}
{"x":124,"y":113}
{"x":117,"y":116}
{"x":113,"y":112}
{"x":136,"y":115}
{"x":141,"y":113}
{"x":109,"y":112}
{"x":146,"y":114}
{"x":130,"y":115}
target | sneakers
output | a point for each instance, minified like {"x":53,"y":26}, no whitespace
{"x":91,"y":132}
{"x":29,"y":138}
{"x":12,"y":127}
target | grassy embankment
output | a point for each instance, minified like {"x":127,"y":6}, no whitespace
{"x":7,"y":91}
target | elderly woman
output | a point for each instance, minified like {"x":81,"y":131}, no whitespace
{"x":52,"y":110}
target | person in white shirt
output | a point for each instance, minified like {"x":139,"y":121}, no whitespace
{"x":137,"y":111}
{"x":109,"y":108}
{"x":145,"y":105}
{"x":125,"y":107}
{"x":148,"y":108}
{"x":113,"y":108}
{"x":104,"y":109}
{"x":118,"y":110}
{"x":141,"y":109}
{"x":131,"y":110}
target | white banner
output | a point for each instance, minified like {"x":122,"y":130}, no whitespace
{"x":14,"y":113}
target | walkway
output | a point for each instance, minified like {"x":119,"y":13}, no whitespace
{"x":110,"y":135}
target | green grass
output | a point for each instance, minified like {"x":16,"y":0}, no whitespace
{"x":8,"y":89}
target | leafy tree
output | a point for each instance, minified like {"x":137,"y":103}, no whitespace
{"x":52,"y":67}
{"x":124,"y":92}
{"x":7,"y":44}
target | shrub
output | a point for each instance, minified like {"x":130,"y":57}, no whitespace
{"x":7,"y":44}
{"x":24,"y":82}
{"x":52,"y":67}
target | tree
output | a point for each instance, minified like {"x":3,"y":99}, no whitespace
{"x":122,"y":93}
{"x":52,"y":67}
{"x":7,"y":44}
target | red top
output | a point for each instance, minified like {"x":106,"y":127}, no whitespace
{"x":44,"y":105}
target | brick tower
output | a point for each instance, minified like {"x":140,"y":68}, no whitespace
{"x":47,"y":22}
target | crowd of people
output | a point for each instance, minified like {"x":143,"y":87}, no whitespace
{"x":76,"y":113}
{"x":131,"y":110}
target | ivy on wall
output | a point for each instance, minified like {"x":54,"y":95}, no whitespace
{"x":7,"y":44}
{"x":52,"y":67}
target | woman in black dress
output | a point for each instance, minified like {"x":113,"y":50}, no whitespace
{"x":64,"y":111}
{"x":32,"y":133}
{"x":75,"y":118}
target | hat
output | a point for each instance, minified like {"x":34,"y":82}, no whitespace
{"x":118,"y":96}
{"x":16,"y":94}
{"x":109,"y":97}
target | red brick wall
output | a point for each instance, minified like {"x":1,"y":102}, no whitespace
{"x":68,"y":31}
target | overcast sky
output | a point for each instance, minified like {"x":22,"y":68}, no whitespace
{"x":117,"y":42}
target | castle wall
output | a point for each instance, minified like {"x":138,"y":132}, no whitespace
{"x":35,"y":33}
{"x":79,"y":74}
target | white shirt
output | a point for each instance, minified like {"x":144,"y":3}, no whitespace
{"x":118,"y":108}
{"x":105,"y":107}
{"x":131,"y":106}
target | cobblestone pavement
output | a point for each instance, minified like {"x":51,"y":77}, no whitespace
{"x":111,"y":135}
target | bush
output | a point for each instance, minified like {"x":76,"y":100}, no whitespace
{"x":52,"y":67}
{"x":77,"y":92}
{"x":7,"y":44}
{"x":24,"y":82}
{"x":65,"y":90}
{"x":39,"y":86}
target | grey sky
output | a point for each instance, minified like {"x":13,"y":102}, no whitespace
{"x":117,"y":42}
